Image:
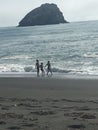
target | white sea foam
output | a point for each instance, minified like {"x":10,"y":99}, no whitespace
{"x":91,"y":55}
{"x":17,"y":57}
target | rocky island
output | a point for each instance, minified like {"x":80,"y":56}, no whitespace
{"x":44,"y":15}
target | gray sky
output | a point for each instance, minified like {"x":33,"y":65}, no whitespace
{"x":12,"y":11}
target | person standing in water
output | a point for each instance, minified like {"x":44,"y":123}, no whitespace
{"x":42,"y":69}
{"x":37,"y":66}
{"x":48,"y":68}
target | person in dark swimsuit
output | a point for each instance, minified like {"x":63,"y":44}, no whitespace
{"x":48,"y":68}
{"x":42,"y":69}
{"x":37,"y":67}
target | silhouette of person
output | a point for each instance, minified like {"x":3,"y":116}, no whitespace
{"x":37,"y":66}
{"x":48,"y":68}
{"x":42,"y":69}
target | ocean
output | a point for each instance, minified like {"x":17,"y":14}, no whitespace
{"x":72,"y":48}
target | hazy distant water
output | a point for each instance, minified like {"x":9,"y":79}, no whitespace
{"x":72,"y":48}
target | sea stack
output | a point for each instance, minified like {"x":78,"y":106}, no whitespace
{"x":44,"y":15}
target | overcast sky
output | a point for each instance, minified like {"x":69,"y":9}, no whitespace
{"x":12,"y":11}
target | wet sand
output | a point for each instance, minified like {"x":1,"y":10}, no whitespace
{"x":30,"y":103}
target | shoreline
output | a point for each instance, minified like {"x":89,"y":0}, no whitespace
{"x":54,"y":76}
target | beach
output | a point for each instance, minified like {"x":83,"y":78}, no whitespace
{"x":67,"y":100}
{"x":48,"y":103}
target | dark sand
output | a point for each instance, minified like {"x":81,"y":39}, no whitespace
{"x":28,"y":103}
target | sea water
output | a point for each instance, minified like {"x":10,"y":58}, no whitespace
{"x":72,"y":48}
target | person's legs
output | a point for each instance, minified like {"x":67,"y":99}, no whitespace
{"x":47,"y":72}
{"x":37,"y":72}
{"x":51,"y":73}
{"x":43,"y":73}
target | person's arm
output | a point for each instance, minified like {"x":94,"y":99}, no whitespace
{"x":45,"y":65}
